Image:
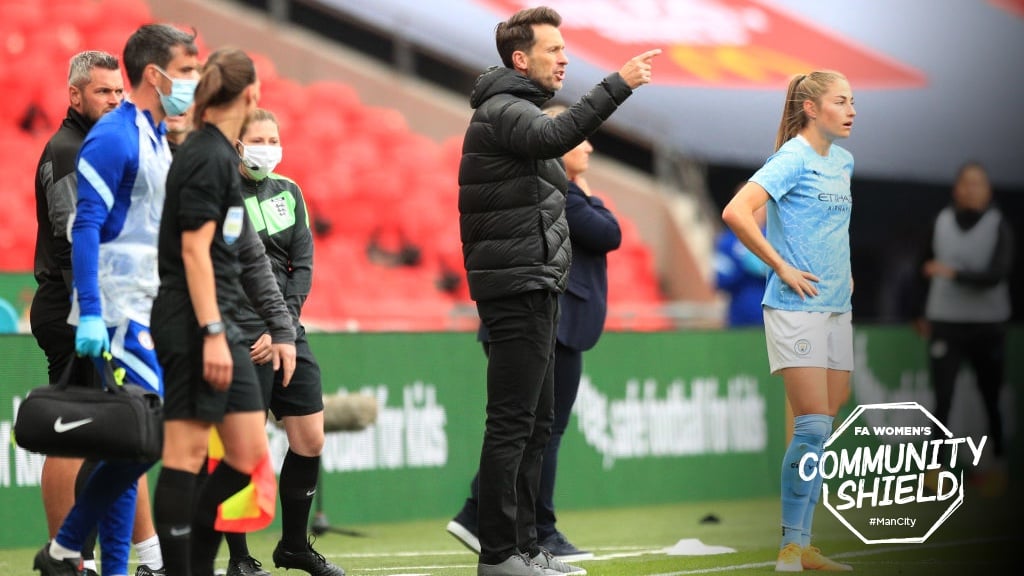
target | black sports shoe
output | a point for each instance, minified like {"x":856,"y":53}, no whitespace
{"x":247,"y":566}
{"x":561,"y":548}
{"x":144,"y":570}
{"x":308,"y":560}
{"x":50,"y":566}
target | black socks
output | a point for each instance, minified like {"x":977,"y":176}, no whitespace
{"x":224,"y":482}
{"x":298,"y":486}
{"x":172,"y":514}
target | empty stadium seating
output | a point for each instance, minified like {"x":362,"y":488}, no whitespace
{"x":366,"y":176}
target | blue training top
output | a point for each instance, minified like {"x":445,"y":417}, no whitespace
{"x":122,"y":168}
{"x":742,"y":274}
{"x":808,"y":223}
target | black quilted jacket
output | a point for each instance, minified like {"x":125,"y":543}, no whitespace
{"x":512,"y":183}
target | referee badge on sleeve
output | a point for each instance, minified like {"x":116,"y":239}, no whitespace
{"x":233,"y":224}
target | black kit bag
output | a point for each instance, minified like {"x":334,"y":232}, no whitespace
{"x":112,"y":422}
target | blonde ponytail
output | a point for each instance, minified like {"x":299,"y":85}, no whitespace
{"x":802,"y":87}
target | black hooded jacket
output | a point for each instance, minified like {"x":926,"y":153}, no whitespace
{"x":56,"y":193}
{"x":512,"y":183}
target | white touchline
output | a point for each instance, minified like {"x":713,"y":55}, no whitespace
{"x":402,"y":570}
{"x":870,"y":552}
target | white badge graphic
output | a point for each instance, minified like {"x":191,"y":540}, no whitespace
{"x":233,"y":224}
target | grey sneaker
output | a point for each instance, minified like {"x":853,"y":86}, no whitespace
{"x":552,"y":565}
{"x":515,"y":565}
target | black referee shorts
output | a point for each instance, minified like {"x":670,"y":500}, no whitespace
{"x":187,"y":396}
{"x":304,"y":394}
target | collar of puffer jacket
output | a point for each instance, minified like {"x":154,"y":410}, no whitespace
{"x":501,"y":80}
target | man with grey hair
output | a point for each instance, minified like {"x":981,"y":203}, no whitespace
{"x":95,"y":87}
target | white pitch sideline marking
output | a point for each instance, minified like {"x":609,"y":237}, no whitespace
{"x":632,"y":551}
{"x":617,"y":552}
{"x":857,"y":554}
{"x":630,"y":554}
{"x":400,"y":554}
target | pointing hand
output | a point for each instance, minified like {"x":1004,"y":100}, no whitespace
{"x":637,"y":71}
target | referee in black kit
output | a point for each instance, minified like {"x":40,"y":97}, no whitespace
{"x":206,"y":246}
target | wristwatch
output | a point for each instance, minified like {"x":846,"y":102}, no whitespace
{"x":212,"y":329}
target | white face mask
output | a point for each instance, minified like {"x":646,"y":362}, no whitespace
{"x":259,"y":160}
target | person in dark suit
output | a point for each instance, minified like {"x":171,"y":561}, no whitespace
{"x":593,"y":233}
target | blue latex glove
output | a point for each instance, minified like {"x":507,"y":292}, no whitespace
{"x":91,"y":337}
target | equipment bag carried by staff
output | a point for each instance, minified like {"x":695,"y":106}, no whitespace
{"x":118,"y":421}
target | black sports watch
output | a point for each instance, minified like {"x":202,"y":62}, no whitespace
{"x":212,"y":329}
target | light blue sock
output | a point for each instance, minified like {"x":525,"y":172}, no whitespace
{"x":812,"y":502}
{"x":809,"y":434}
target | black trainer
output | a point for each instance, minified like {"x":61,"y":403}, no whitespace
{"x":309,"y":560}
{"x":561,"y":548}
{"x":144,"y":570}
{"x":247,"y":566}
{"x":50,"y":566}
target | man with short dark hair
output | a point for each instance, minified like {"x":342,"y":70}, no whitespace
{"x":515,"y":244}
{"x":121,"y":171}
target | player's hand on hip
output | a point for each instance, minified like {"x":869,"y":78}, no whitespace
{"x":91,"y":336}
{"x":637,"y":71}
{"x":802,"y":282}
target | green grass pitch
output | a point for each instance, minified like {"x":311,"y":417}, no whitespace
{"x":977,"y":539}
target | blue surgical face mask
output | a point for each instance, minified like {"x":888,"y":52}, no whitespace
{"x":183,"y":90}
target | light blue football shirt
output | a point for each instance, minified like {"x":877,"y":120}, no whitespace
{"x":808,"y":223}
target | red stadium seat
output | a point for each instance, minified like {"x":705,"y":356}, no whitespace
{"x":361,"y":169}
{"x":132,"y":12}
{"x":265,"y":68}
{"x":24,"y":16}
{"x":334,"y":96}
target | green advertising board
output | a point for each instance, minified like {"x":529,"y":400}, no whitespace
{"x":660,"y":417}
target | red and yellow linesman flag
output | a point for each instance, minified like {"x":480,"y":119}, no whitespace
{"x":252,"y":508}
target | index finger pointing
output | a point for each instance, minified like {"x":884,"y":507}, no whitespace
{"x":649,"y":54}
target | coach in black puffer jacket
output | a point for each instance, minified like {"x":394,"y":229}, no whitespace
{"x":512,"y":184}
{"x":515,"y":243}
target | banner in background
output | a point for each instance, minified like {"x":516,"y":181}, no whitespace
{"x":661,"y":417}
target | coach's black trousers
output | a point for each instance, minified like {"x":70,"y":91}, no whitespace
{"x":983,"y":346}
{"x":520,"y":410}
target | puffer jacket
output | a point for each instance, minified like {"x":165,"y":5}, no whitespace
{"x":512,"y":183}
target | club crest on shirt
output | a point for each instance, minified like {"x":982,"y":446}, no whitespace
{"x":146,"y":340}
{"x":279,"y":206}
{"x":233,"y":222}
